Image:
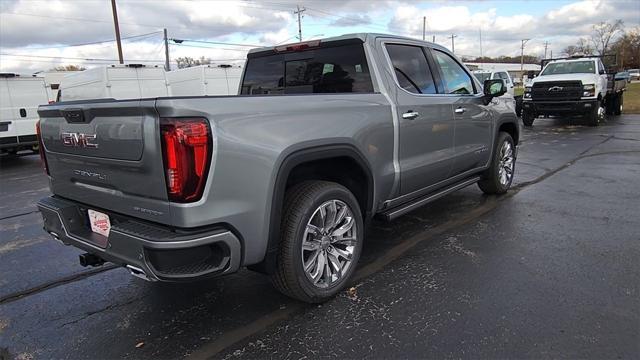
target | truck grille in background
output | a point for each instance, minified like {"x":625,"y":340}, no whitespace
{"x":557,"y":90}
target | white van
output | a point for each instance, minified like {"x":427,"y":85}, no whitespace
{"x":20,"y":96}
{"x":132,"y":81}
{"x":205,"y":80}
{"x":52,"y":80}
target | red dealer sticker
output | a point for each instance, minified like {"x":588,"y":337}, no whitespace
{"x":100,"y":223}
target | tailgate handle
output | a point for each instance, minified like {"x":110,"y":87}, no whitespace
{"x":73,"y":115}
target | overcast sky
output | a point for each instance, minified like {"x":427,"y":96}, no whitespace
{"x":37,"y":35}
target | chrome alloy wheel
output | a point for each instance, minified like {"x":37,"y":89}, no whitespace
{"x":329,"y":243}
{"x":507,"y":163}
{"x":601,"y":113}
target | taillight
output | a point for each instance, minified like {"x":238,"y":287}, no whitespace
{"x":186,"y":149}
{"x":43,"y":157}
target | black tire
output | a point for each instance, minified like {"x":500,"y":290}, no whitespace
{"x":490,"y":182}
{"x":527,"y":118}
{"x":301,"y":201}
{"x":618,"y":104}
{"x":519,"y":106}
{"x":593,"y":117}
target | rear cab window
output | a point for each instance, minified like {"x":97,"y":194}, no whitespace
{"x":330,"y":68}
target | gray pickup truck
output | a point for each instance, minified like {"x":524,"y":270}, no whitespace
{"x":283,"y":178}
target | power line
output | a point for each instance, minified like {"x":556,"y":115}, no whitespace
{"x":74,"y":58}
{"x":179,"y":41}
{"x":76,"y":19}
{"x":207,"y":47}
{"x":95,"y":42}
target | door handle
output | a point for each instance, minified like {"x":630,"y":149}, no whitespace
{"x":460,"y":110}
{"x":410,"y":115}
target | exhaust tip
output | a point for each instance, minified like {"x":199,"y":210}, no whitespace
{"x":139,"y":273}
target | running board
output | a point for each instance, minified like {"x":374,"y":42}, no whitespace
{"x":412,"y":205}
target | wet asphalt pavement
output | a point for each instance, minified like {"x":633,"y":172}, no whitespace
{"x":550,"y":270}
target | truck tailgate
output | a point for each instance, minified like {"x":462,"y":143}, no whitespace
{"x":107,"y":153}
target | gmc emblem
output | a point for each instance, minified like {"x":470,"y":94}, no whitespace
{"x":74,"y":139}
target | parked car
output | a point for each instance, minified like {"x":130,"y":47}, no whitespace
{"x":121,"y":82}
{"x":623,"y":75}
{"x":573,"y":86}
{"x":327,"y":135}
{"x":634,"y":74}
{"x":20,"y":96}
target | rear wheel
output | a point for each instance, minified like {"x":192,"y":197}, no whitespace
{"x":320,"y":241}
{"x":497,"y":179}
{"x":527,"y":118}
{"x":618,"y":105}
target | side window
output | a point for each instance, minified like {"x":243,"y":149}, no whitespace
{"x":456,"y":80}
{"x":503,"y":75}
{"x":411,"y":68}
{"x":600,"y":66}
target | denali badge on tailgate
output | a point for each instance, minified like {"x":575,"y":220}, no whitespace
{"x":75,"y":139}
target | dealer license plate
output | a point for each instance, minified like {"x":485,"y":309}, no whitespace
{"x":100,"y":223}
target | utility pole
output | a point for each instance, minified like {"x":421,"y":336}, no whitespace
{"x":424,"y":26}
{"x":546,"y":43}
{"x":115,"y":23}
{"x":433,"y":40}
{"x":299,"y":13}
{"x":453,"y":45}
{"x":167,"y":67}
{"x":522,"y":43}
{"x":481,"y":43}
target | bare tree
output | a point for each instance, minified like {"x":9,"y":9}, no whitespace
{"x":68,"y":68}
{"x":582,"y":47}
{"x":185,"y":62}
{"x":603,"y":32}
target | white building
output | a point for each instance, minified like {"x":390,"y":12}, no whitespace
{"x":529,"y":70}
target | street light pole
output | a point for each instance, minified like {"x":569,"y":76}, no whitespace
{"x":117,"y":26}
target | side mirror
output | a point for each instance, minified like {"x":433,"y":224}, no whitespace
{"x":494,"y":88}
{"x":602,"y":72}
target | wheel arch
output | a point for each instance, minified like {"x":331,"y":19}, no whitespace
{"x":510,"y":127}
{"x":340,"y":154}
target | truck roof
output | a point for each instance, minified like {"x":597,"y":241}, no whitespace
{"x":361,"y":36}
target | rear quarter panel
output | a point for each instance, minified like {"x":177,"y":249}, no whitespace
{"x":254,"y":134}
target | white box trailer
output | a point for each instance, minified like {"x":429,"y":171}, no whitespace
{"x":132,"y":81}
{"x":205,"y":80}
{"x":20,"y":96}
{"x":52,"y":80}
